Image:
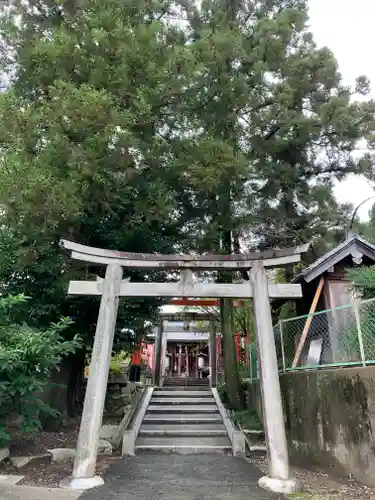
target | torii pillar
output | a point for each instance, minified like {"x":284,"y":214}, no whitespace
{"x":83,"y":476}
{"x":279,"y":479}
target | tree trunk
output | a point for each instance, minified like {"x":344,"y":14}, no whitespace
{"x":226,"y":223}
{"x":231,"y":374}
{"x":63,"y":393}
{"x":74,"y":393}
{"x":232,"y":378}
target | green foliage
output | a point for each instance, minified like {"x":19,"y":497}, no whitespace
{"x":272,"y":101}
{"x":349,"y":341}
{"x":231,"y":372}
{"x":287,"y":310}
{"x":244,"y":372}
{"x":244,"y":319}
{"x":248,"y":420}
{"x":367,"y":229}
{"x":118,"y":361}
{"x":223,"y":393}
{"x":142,"y":126}
{"x":27,"y":358}
{"x":91,"y":88}
{"x":134,"y":132}
{"x":363,"y":279}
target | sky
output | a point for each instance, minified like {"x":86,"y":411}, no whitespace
{"x":347,"y":28}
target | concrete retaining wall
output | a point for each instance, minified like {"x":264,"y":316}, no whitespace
{"x":330,"y":418}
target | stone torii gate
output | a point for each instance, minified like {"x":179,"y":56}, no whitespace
{"x":113,"y":286}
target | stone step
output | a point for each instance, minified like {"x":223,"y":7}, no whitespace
{"x":174,"y":393}
{"x":252,"y":432}
{"x":184,"y":377}
{"x":188,"y":445}
{"x":181,"y":383}
{"x":215,"y":429}
{"x":184,"y":388}
{"x":183,"y":401}
{"x":262,"y":448}
{"x":167,"y":418}
{"x":182,"y":408}
{"x":186,"y":382}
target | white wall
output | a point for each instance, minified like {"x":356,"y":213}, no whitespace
{"x":186,"y":336}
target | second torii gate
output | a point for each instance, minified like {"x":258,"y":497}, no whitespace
{"x":113,"y":286}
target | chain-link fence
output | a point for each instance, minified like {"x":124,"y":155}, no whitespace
{"x":335,"y":337}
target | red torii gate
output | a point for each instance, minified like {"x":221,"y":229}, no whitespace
{"x":213,"y":303}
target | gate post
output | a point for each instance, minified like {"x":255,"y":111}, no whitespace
{"x":279,"y":479}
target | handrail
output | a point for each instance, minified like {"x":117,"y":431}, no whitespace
{"x":236,"y":437}
{"x":128,"y":417}
{"x":130,"y":435}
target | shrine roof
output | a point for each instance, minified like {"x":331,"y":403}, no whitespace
{"x":354,"y":246}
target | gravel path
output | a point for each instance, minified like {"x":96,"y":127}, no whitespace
{"x":181,"y":477}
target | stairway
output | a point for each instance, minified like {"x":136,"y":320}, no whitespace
{"x":183,"y":419}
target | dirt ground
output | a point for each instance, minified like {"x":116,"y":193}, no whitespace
{"x":49,"y":474}
{"x":318,"y":485}
{"x":27,"y":444}
{"x":44,"y":472}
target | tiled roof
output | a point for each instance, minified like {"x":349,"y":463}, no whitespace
{"x":354,"y":245}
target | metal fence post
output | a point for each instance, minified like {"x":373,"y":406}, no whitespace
{"x":282,"y":344}
{"x":359,"y":332}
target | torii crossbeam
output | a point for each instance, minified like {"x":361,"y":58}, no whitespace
{"x":113,"y":286}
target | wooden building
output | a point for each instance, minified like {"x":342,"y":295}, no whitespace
{"x":332,"y":268}
{"x":185,"y":350}
{"x":326,"y":288}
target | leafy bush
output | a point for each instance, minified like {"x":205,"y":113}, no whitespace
{"x":363,"y":279}
{"x":27,"y":358}
{"x":248,"y":420}
{"x":117,"y":362}
{"x":223,"y":393}
{"x":244,"y":372}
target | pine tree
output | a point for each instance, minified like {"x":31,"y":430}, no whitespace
{"x":273,"y":128}
{"x":278,"y":122}
{"x":134,"y":131}
{"x":91,"y":85}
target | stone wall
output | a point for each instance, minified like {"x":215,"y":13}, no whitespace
{"x":330,"y":418}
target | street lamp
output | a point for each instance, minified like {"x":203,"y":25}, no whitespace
{"x":355,"y":213}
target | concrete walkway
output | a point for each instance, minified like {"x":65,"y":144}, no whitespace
{"x":181,"y":477}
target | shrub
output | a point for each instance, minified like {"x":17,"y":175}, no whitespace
{"x":27,"y":358}
{"x":118,"y":361}
{"x":223,"y":393}
{"x":248,"y":420}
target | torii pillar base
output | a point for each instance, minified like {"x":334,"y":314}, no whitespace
{"x":284,"y":486}
{"x":81,"y":483}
